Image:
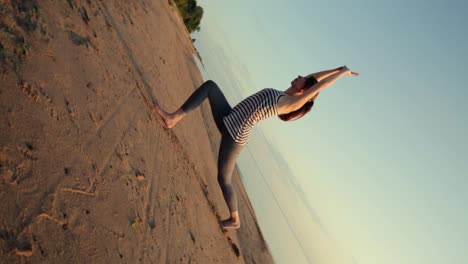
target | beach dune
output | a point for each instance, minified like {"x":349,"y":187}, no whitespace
{"x":87,"y":172}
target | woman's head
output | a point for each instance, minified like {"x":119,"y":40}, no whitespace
{"x":303,"y":83}
{"x":300,"y":84}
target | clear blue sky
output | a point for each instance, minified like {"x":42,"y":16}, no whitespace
{"x":377,"y":171}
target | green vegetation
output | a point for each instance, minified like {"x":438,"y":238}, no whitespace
{"x":17,"y":42}
{"x":27,"y":22}
{"x":78,"y":40}
{"x":17,"y":20}
{"x":27,"y":14}
{"x":3,"y":8}
{"x":2,"y":52}
{"x":70,"y":3}
{"x":191,"y":14}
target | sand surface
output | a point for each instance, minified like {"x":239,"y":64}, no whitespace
{"x":87,"y":172}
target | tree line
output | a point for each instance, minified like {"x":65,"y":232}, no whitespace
{"x":191,"y":14}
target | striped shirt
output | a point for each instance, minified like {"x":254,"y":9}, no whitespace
{"x":259,"y":106}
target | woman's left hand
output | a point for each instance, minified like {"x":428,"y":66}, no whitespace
{"x":349,"y":72}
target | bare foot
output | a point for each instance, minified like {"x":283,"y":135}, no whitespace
{"x":169,"y":120}
{"x":230,"y":224}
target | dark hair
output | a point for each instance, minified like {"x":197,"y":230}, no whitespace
{"x":305,"y":108}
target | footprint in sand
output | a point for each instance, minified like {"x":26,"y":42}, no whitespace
{"x":37,"y":93}
{"x":234,"y":247}
{"x":71,"y":108}
{"x":16,"y":244}
{"x":16,"y":165}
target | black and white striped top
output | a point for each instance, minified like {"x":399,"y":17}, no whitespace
{"x":248,"y":112}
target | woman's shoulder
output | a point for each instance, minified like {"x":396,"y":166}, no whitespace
{"x":273,"y":90}
{"x":268,"y":92}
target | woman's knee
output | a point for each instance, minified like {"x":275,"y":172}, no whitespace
{"x":211,"y":84}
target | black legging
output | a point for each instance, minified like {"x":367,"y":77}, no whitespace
{"x":228,"y":149}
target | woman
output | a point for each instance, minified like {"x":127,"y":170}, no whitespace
{"x":236,"y":123}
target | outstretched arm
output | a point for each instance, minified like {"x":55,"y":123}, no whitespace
{"x":319,"y":76}
{"x":324,"y":74}
{"x":320,"y":86}
{"x":296,"y":102}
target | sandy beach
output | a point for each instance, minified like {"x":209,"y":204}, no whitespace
{"x":88,"y":174}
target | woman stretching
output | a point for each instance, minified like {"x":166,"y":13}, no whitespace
{"x":236,"y":123}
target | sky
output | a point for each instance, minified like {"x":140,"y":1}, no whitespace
{"x":376,"y":172}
